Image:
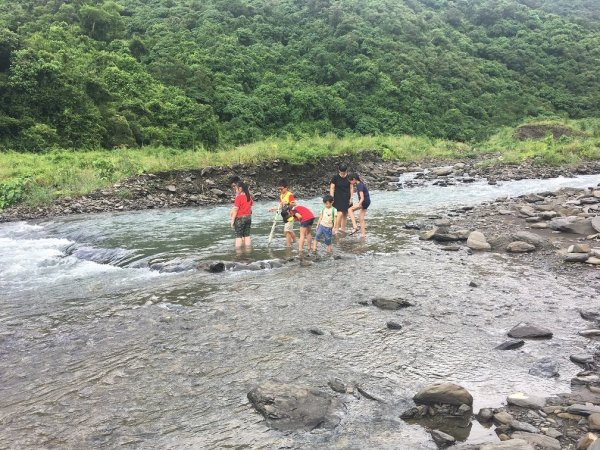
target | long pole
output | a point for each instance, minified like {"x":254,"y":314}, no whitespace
{"x":273,"y":227}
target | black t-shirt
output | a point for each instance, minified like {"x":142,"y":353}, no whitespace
{"x":342,"y":188}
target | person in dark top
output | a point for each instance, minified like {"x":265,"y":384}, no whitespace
{"x":341,"y":190}
{"x":364,"y":200}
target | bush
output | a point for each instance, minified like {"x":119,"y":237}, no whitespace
{"x":11,"y":192}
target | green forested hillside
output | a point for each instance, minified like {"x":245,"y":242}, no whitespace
{"x":185,"y":73}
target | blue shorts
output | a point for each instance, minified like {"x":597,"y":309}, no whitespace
{"x":327,"y":234}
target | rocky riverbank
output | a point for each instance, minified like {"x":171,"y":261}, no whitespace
{"x":211,"y":185}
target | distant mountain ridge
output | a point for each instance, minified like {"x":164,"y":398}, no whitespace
{"x":183,"y":73}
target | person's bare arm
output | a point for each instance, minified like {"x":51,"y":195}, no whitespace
{"x":331,"y":189}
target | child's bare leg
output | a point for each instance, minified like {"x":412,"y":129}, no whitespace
{"x":308,"y":238}
{"x":363,"y":227}
{"x":351,"y":213}
{"x":329,"y":248}
{"x":248,"y":242}
{"x":301,"y":240}
{"x":343,"y":220}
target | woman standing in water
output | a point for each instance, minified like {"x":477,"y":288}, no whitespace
{"x":364,"y":200}
{"x":241,"y":216}
{"x":341,"y":191}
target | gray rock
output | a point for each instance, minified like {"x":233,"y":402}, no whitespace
{"x":530,"y":238}
{"x":529,"y":331}
{"x":583,"y":410}
{"x":540,"y":440}
{"x":511,"y":344}
{"x":548,"y":215}
{"x":576,"y":257}
{"x":477,"y":241}
{"x":391,"y":304}
{"x":339,"y":386}
{"x":582,"y":359}
{"x":218,"y":192}
{"x":503,"y":418}
{"x":595,"y":445}
{"x":442,"y":171}
{"x":444,"y":393}
{"x":527,"y":211}
{"x":520,"y":247}
{"x":485,"y":414}
{"x":593,"y":260}
{"x":526,"y":401}
{"x":579,"y":248}
{"x":572,"y":224}
{"x":513,"y":444}
{"x":590,"y":333}
{"x":553,"y":433}
{"x":593,"y":315}
{"x":545,"y":368}
{"x":523,"y":426}
{"x":596,"y":223}
{"x":594,"y":421}
{"x":442,"y":439}
{"x":586,"y":378}
{"x":394,"y":325}
{"x":293,"y":407}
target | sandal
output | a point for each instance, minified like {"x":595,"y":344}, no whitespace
{"x":354,"y":230}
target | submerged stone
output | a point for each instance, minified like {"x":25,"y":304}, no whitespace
{"x":511,"y":344}
{"x":444,"y":393}
{"x":391,"y":303}
{"x":528,"y":331}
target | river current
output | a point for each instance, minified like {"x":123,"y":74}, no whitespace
{"x":109,"y":336}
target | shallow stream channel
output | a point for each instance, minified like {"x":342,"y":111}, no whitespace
{"x":111,"y":337}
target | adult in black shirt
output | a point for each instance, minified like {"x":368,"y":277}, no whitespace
{"x":341,"y":190}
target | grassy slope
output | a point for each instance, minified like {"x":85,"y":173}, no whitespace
{"x":38,"y":178}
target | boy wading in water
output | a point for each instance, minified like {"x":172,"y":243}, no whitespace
{"x":325,"y":224}
{"x":286,"y":200}
{"x":364,"y":200}
{"x":241,"y":216}
{"x":306,"y":219}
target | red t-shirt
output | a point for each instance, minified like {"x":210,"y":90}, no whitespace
{"x":243,"y":205}
{"x":304,"y":212}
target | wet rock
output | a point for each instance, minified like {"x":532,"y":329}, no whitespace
{"x":394,"y":325}
{"x":593,"y":260}
{"x":528,"y":211}
{"x":417,"y":225}
{"x":485,"y":414}
{"x":442,"y":439}
{"x":586,"y":441}
{"x":316,"y":331}
{"x":293,"y":407}
{"x":594,"y":421}
{"x":520,"y":247}
{"x":442,"y":223}
{"x":338,"y":385}
{"x":593,"y":315}
{"x":443,"y":393}
{"x":582,"y":359}
{"x":473,"y":284}
{"x":512,"y":444}
{"x":572,"y":224}
{"x":590,"y":333}
{"x":576,"y":257}
{"x":579,"y":248}
{"x":523,"y":426}
{"x":217,"y":267}
{"x":526,"y":401}
{"x":583,"y":410}
{"x":539,"y":226}
{"x":595,"y":222}
{"x":503,"y":418}
{"x":442,"y":171}
{"x":415,"y":413}
{"x":391,"y":304}
{"x":548,"y":215}
{"x":511,"y":344}
{"x":451,"y":248}
{"x":477,"y":241}
{"x":218,"y":192}
{"x":368,"y":395}
{"x":529,"y":331}
{"x":540,"y":440}
{"x":545,"y":368}
{"x":586,"y":378}
{"x":553,"y":433}
{"x":530,"y":238}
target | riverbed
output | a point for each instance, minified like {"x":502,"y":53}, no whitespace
{"x":110,"y":336}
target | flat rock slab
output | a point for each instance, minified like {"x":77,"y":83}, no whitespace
{"x":529,"y":331}
{"x":530,"y":238}
{"x":293,"y":407}
{"x":391,"y":304}
{"x":582,"y":358}
{"x":576,"y":257}
{"x":511,"y":344}
{"x":593,"y":315}
{"x":594,"y":422}
{"x":540,"y":440}
{"x":572,"y":224}
{"x":590,"y":333}
{"x":526,"y":401}
{"x":596,"y":223}
{"x":520,"y":247}
{"x":444,"y":393}
{"x":513,"y":444}
{"x":583,"y":410}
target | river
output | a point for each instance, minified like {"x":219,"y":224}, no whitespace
{"x":110,"y":338}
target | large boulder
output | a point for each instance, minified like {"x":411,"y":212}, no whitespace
{"x":443,"y":393}
{"x":477,"y":241}
{"x":293,"y":407}
{"x":529,"y":331}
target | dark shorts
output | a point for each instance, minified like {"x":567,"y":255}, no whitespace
{"x":307,"y":224}
{"x":342,"y":205}
{"x":241,"y":225}
{"x":366,"y":205}
{"x":326,"y":233}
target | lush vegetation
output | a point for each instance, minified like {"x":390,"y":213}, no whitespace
{"x":92,"y":74}
{"x":39,"y":178}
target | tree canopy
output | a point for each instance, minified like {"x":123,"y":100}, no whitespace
{"x":183,"y":73}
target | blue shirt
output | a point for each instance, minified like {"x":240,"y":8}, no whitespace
{"x":360,"y":187}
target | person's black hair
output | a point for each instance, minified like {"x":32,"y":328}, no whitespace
{"x":245,"y":189}
{"x":234,"y":179}
{"x":353,"y":176}
{"x":342,"y":167}
{"x":283,"y":183}
{"x":328,"y":198}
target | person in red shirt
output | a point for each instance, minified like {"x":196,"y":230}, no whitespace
{"x":241,"y":216}
{"x":306,"y":218}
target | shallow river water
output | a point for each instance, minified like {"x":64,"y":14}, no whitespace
{"x":110,"y":338}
